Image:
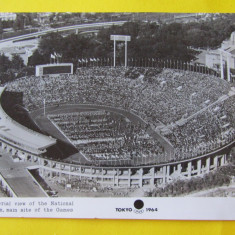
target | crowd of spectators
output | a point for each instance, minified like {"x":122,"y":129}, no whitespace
{"x":206,"y":131}
{"x":165,"y":96}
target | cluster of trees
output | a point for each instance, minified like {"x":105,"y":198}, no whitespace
{"x":21,"y":25}
{"x":4,"y":24}
{"x":171,"y":41}
{"x":148,"y":40}
{"x":22,"y":20}
{"x":220,"y":177}
{"x":71,"y":48}
{"x":11,"y":69}
{"x":211,"y":33}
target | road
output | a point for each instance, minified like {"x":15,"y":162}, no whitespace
{"x":62,"y":29}
{"x":18,"y":177}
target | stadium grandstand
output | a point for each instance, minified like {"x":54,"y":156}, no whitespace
{"x":130,"y":127}
{"x":20,"y":137}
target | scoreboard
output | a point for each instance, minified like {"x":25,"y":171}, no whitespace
{"x":54,"y":69}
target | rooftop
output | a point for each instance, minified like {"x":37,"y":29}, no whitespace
{"x":21,"y":136}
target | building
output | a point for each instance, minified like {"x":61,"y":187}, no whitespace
{"x":5,"y":16}
{"x":43,"y":17}
{"x":224,"y":56}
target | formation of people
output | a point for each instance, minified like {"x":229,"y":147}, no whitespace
{"x":102,"y":135}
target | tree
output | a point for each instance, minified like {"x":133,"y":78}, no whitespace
{"x":74,"y":47}
{"x":1,"y":26}
{"x":6,"y":77}
{"x":51,"y":43}
{"x":5,"y":63}
{"x":19,"y":22}
{"x":17,"y":62}
{"x":37,"y":59}
{"x":52,"y":17}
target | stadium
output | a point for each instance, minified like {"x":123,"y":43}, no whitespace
{"x":119,"y":127}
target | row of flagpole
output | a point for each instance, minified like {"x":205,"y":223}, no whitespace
{"x":140,"y":62}
{"x":55,"y":57}
{"x":149,"y":62}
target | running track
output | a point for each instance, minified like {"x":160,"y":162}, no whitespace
{"x":46,"y":126}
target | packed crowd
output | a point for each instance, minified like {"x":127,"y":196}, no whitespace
{"x":102,"y":135}
{"x":166,"y":96}
{"x":206,"y":131}
{"x":154,"y":95}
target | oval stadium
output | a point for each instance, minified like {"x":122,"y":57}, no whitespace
{"x":103,"y":129}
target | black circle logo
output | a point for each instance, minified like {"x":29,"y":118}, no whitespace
{"x":138,"y":204}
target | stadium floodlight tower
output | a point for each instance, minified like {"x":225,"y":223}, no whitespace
{"x":115,"y":38}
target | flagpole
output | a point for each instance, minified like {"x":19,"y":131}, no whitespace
{"x":44,"y":107}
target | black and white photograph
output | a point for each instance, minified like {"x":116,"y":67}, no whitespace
{"x":117,"y":105}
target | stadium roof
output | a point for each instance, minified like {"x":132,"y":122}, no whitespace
{"x":20,"y":136}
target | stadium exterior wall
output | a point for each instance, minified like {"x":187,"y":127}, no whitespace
{"x":128,"y":176}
